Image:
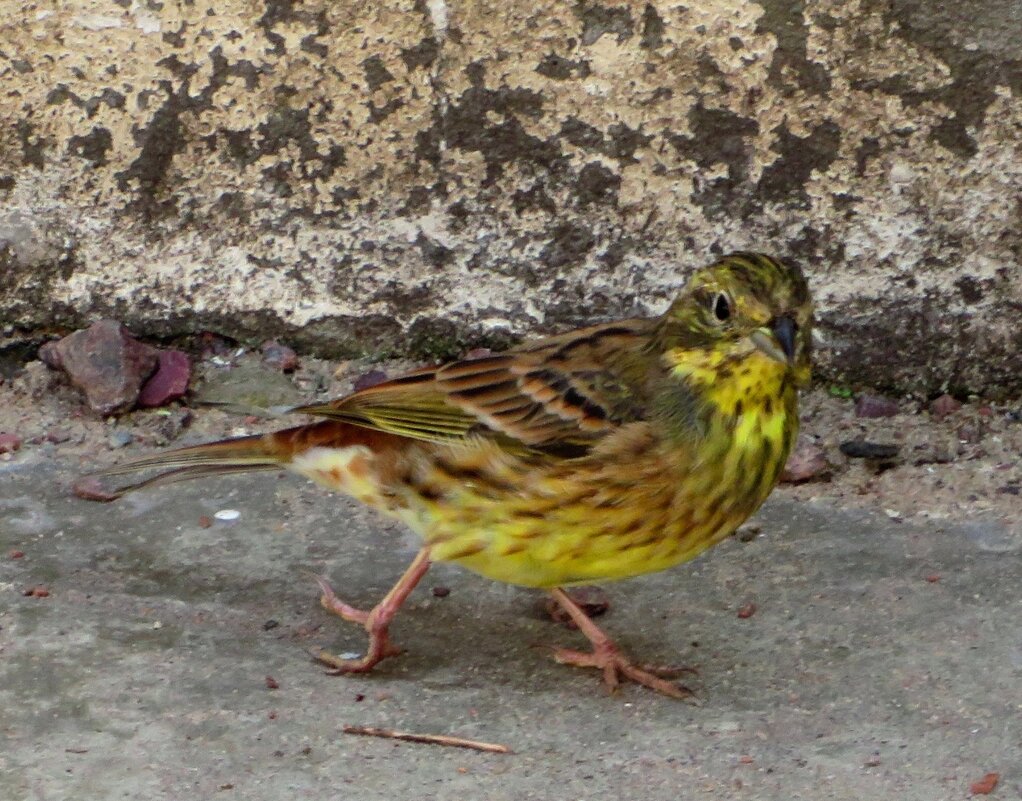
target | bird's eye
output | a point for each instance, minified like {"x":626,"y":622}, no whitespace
{"x":722,"y":307}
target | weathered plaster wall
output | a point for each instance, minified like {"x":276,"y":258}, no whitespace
{"x":416,"y":174}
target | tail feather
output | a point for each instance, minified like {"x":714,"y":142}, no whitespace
{"x":239,"y":455}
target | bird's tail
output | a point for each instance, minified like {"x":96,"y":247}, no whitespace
{"x":238,"y":455}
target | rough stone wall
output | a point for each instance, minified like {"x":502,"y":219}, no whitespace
{"x":414,"y":175}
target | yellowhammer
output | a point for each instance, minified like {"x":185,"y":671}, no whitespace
{"x":603,"y":453}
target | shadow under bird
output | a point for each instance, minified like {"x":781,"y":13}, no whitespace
{"x":607,"y":452}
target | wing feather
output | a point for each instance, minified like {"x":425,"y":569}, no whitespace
{"x":568,"y":390}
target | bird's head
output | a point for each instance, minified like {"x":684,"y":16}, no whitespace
{"x":747,"y":305}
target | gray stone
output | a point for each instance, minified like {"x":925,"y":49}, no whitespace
{"x":248,"y":387}
{"x":120,"y":439}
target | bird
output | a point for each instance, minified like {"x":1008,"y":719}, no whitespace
{"x":608,"y":452}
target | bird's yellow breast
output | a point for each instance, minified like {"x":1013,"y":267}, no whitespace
{"x":640,"y":503}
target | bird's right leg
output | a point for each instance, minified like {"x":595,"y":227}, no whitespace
{"x":376,"y":621}
{"x":607,"y":657}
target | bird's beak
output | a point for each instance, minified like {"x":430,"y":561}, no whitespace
{"x":777,"y":340}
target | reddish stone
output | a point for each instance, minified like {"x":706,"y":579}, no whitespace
{"x":91,"y":489}
{"x":9,"y":442}
{"x":107,"y":363}
{"x":943,"y":406}
{"x":986,"y":785}
{"x":806,"y":463}
{"x":875,"y":406}
{"x":169,"y":382}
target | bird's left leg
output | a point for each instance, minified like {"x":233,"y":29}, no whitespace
{"x":376,"y":621}
{"x":607,"y":657}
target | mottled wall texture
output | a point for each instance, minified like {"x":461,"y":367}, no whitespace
{"x":418,"y":175}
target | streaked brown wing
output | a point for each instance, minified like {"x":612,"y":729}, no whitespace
{"x":572,"y":389}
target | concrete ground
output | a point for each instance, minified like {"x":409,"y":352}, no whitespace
{"x":883,"y":659}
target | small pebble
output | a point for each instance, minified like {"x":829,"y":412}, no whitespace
{"x":92,"y":489}
{"x":278,"y":356}
{"x":270,"y":624}
{"x":808,"y":462}
{"x":39,"y":591}
{"x":441,"y":592}
{"x":120,"y":439}
{"x":57,"y":435}
{"x":205,"y":521}
{"x":943,"y":406}
{"x":227,"y":514}
{"x":16,"y":554}
{"x":370,"y":379}
{"x":872,"y":406}
{"x":970,"y":433}
{"x":986,"y":785}
{"x":747,"y":611}
{"x":860,"y":449}
{"x":272,"y":683}
{"x":9,"y":442}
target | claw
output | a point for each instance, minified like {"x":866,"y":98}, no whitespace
{"x":614,"y":664}
{"x":376,"y":621}
{"x":607,"y":657}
